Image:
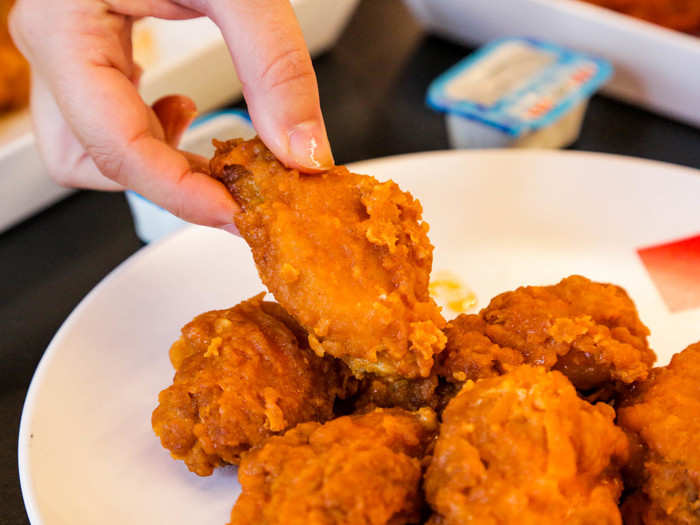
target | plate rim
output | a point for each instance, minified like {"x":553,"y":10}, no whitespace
{"x":530,"y":152}
{"x":29,"y":497}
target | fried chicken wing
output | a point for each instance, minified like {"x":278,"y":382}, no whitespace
{"x":345,"y":255}
{"x":470,"y":354}
{"x":589,"y":331}
{"x":354,"y":470}
{"x":662,"y":417}
{"x":409,"y":394}
{"x":242,"y":375}
{"x":524,"y":448}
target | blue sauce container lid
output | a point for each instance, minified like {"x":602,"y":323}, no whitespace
{"x":518,"y":84}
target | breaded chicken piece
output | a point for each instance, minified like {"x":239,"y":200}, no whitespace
{"x":14,"y":70}
{"x":524,"y":448}
{"x":409,"y":394}
{"x":470,"y":354}
{"x":242,"y":375}
{"x":662,"y":417}
{"x":589,"y":331}
{"x":354,"y":470}
{"x":345,"y":255}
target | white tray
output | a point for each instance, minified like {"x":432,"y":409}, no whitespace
{"x":655,"y":68}
{"x":188,"y":57}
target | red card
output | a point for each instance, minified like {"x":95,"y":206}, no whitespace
{"x":675,"y":269}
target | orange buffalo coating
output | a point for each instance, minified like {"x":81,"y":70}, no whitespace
{"x":470,"y":354}
{"x":242,"y":374}
{"x":662,"y":417}
{"x":355,"y":470}
{"x":409,"y":394}
{"x":524,"y":448}
{"x":681,"y":15}
{"x":345,"y":255}
{"x":14,"y":70}
{"x":589,"y":331}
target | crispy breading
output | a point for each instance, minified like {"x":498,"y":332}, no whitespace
{"x":470,"y":354}
{"x":589,"y":331}
{"x":524,"y":448}
{"x":355,"y":470}
{"x":345,"y":255}
{"x":662,"y":417}
{"x":409,"y":394}
{"x":242,"y":375}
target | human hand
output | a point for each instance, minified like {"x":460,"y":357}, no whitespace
{"x":94,"y":130}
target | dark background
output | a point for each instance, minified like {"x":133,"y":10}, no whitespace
{"x":372,"y":84}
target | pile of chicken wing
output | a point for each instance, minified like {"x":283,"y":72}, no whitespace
{"x":351,"y":400}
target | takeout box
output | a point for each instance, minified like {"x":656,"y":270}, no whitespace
{"x":184,"y":56}
{"x":656,"y":68}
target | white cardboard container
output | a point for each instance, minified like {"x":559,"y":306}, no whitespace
{"x":184,"y":56}
{"x":656,"y":68}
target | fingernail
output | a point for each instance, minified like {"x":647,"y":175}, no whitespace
{"x":231,"y":228}
{"x":309,"y":147}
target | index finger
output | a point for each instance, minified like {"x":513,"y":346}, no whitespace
{"x":126,"y":150}
{"x":120,"y":132}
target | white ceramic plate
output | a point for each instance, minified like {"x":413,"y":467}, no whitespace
{"x":498,"y":219}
